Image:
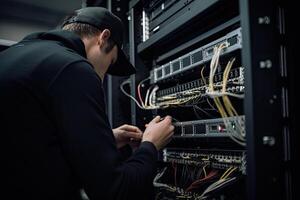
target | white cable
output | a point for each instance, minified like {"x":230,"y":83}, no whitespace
{"x":140,"y":84}
{"x":134,"y":99}
{"x":122,"y":89}
{"x":146,"y":98}
{"x":216,"y":185}
{"x":219,"y":94}
{"x":151,"y":96}
{"x":157,"y":184}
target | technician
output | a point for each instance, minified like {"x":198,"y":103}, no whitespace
{"x":54,"y":128}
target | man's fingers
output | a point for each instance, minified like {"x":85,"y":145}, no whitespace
{"x":167,"y":119}
{"x":155,"y":120}
{"x":171,"y":128}
{"x":127,"y":127}
{"x":133,"y":135}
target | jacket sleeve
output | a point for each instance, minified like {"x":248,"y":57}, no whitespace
{"x":77,"y":103}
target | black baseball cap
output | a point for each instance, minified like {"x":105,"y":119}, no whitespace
{"x":101,"y":17}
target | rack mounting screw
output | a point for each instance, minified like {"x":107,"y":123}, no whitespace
{"x":273,"y":99}
{"x":269,"y":140}
{"x":264,"y":20}
{"x":265,"y":64}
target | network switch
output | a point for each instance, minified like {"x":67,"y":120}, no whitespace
{"x":208,"y":127}
{"x":159,"y":7}
{"x":233,"y":40}
{"x":165,"y":12}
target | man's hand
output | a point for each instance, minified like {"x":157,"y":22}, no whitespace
{"x":159,"y":131}
{"x":127,"y":134}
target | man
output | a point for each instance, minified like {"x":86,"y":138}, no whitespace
{"x":54,"y":128}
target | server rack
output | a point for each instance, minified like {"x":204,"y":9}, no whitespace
{"x":268,"y":58}
{"x":269,"y":26}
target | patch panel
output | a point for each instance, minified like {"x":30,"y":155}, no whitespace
{"x":198,"y":88}
{"x":235,"y":75}
{"x":217,"y":159}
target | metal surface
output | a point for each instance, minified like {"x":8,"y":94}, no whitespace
{"x":196,"y":7}
{"x":206,"y":53}
{"x":169,"y":15}
{"x":132,"y":3}
{"x":262,"y":99}
{"x":109,"y":87}
{"x":132,"y":60}
{"x":203,"y":36}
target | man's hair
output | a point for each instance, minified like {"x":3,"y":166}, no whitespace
{"x":86,"y":31}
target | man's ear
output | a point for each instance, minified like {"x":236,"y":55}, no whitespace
{"x":103,"y":37}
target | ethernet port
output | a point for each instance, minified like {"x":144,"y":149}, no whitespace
{"x":213,"y":128}
{"x":177,"y":131}
{"x":188,"y":129}
{"x":233,"y":40}
{"x":199,"y":129}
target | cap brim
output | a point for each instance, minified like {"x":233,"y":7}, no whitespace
{"x":122,"y":67}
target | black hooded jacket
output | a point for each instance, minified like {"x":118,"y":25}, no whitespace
{"x":54,"y":128}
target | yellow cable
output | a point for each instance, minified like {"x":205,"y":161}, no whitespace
{"x":220,"y":107}
{"x":226,"y":101}
{"x":228,"y":106}
{"x":224,"y":174}
{"x":204,"y":171}
{"x":229,"y":172}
